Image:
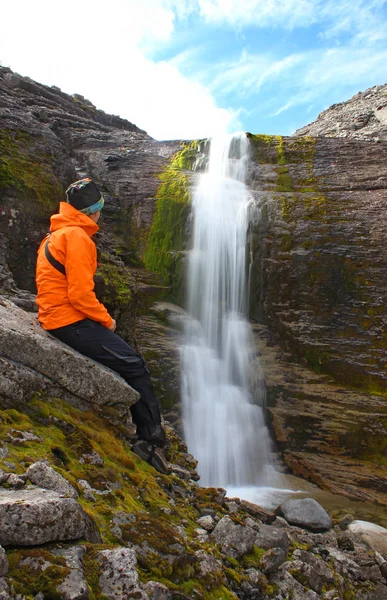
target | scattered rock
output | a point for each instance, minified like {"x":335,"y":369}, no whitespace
{"x":74,"y":587}
{"x":46,"y":477}
{"x":87,"y":490}
{"x":19,"y":438}
{"x":234,"y":540}
{"x":270,"y":537}
{"x":373,"y":535}
{"x":257,"y":512}
{"x":156,"y":590}
{"x":15,"y":481}
{"x":307,"y":513}
{"x":272,"y":560}
{"x":3,"y":562}
{"x":34,"y":516}
{"x":207,"y":522}
{"x":3,"y":476}
{"x":119,"y":578}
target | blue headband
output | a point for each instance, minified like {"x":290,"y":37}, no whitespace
{"x":89,"y":210}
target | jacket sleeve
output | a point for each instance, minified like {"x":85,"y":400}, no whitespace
{"x":80,"y":268}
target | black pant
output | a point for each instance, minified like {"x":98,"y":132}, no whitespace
{"x":106,"y":347}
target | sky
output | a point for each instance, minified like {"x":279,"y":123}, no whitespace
{"x":188,"y":69}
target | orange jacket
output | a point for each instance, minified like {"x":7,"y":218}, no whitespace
{"x":65,"y":299}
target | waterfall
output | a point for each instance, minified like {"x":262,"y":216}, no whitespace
{"x":223,"y":424}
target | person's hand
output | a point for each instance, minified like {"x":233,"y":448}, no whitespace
{"x":113,"y":326}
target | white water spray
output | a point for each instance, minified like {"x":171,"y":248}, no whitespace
{"x":224,"y":428}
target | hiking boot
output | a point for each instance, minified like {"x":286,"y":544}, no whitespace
{"x":152,"y":455}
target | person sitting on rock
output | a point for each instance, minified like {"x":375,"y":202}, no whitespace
{"x":70,"y":310}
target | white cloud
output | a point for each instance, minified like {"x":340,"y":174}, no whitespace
{"x":97,"y":50}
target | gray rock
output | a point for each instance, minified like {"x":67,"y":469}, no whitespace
{"x":307,"y":513}
{"x":46,"y":477}
{"x":32,"y":359}
{"x":119,"y":578}
{"x":3,"y":476}
{"x":233,"y":539}
{"x":74,"y":587}
{"x":270,"y":537}
{"x":34,"y":516}
{"x":207,"y":522}
{"x":272,"y":560}
{"x":87,"y":490}
{"x":290,"y":587}
{"x":4,"y":590}
{"x":3,"y":450}
{"x":19,"y":438}
{"x":15,"y":482}
{"x":374,"y":536}
{"x":208,"y":565}
{"x":3,"y":562}
{"x":344,"y":565}
{"x":156,"y":591}
{"x":313,"y":569}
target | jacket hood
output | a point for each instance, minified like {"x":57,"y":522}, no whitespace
{"x":70,"y":216}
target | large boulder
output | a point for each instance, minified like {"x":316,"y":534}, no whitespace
{"x":34,"y":516}
{"x":31,"y":360}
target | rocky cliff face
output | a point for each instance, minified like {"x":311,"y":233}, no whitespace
{"x":318,"y":277}
{"x":363,"y":117}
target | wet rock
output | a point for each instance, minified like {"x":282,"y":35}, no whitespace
{"x":233,"y":540}
{"x":307,"y":513}
{"x":34,"y":516}
{"x":46,"y":477}
{"x":3,"y":562}
{"x":270,"y":537}
{"x":119,"y":578}
{"x":272,"y":560}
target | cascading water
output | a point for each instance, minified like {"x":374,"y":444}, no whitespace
{"x":224,"y":426}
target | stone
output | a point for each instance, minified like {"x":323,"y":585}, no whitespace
{"x":257,"y":512}
{"x":46,"y":477}
{"x":290,"y":587}
{"x":87,"y":490}
{"x":345,"y":541}
{"x":233,"y":539}
{"x":34,"y":516}
{"x":373,"y":535}
{"x":344,"y":565}
{"x":74,"y":587}
{"x":314,"y":569}
{"x":19,"y":438}
{"x":3,"y":450}
{"x":156,"y":590}
{"x":3,"y":562}
{"x":15,"y":482}
{"x":5,"y":593}
{"x":272,"y":560}
{"x":32,"y":359}
{"x":207,"y":522}
{"x":119,"y":578}
{"x":307,"y":513}
{"x":208,"y":565}
{"x":270,"y":537}
{"x":93,"y":459}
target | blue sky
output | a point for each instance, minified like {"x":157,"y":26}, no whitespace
{"x":190,"y":68}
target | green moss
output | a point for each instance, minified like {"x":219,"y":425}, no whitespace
{"x":186,"y":159}
{"x":117,"y":282}
{"x":168,"y":232}
{"x":220,"y":593}
{"x":27,"y":170}
{"x":284,"y":182}
{"x":29,"y":579}
{"x":253,"y":558}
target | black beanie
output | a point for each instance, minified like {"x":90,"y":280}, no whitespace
{"x":82,"y":194}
